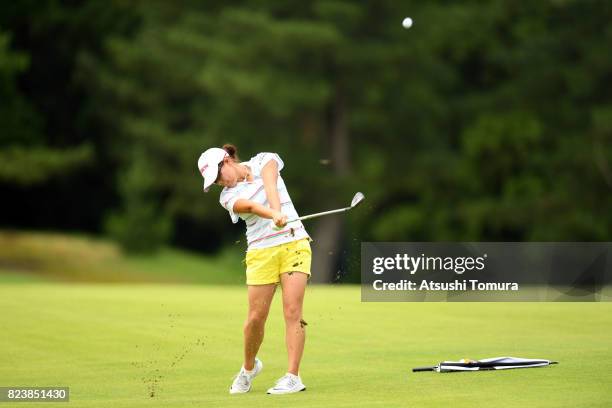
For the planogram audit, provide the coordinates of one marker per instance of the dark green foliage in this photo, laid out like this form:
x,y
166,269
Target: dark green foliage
x,y
139,226
484,121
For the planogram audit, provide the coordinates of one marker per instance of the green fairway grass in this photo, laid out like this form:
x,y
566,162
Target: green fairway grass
x,y
154,345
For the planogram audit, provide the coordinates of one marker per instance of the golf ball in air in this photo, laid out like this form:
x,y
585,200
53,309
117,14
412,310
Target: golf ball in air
x,y
407,23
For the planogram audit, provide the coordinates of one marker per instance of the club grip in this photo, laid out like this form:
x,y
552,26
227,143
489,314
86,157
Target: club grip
x,y
417,369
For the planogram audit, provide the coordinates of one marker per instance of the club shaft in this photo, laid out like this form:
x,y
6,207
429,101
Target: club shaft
x,y
306,217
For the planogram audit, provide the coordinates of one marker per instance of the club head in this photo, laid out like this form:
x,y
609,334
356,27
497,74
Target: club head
x,y
357,199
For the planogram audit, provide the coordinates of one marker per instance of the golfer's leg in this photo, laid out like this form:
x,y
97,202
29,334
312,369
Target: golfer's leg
x,y
294,285
260,297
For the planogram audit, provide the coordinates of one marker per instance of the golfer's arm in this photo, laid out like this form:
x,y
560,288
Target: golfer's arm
x,y
269,174
242,206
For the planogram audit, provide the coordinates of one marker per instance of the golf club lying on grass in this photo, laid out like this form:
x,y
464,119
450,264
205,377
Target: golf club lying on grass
x,y
495,363
357,199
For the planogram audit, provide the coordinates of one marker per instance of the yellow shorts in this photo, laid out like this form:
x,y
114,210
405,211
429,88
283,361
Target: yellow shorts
x,y
265,265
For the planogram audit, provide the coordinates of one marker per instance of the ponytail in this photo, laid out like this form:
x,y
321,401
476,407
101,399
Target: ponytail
x,y
231,151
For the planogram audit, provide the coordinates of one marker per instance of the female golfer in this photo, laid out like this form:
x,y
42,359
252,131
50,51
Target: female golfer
x,y
255,191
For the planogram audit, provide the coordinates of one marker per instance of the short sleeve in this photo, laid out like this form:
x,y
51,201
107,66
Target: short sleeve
x,y
259,161
227,201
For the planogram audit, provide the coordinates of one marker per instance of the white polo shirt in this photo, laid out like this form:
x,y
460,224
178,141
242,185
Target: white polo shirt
x,y
260,232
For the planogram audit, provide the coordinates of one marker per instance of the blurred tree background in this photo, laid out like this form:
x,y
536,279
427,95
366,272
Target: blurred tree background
x,y
486,121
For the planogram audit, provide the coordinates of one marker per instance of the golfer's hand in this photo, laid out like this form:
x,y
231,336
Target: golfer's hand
x,y
279,219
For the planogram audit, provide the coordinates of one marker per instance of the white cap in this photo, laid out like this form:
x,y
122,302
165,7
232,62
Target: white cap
x,y
208,164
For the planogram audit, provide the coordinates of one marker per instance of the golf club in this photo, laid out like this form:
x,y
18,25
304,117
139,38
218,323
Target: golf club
x,y
357,199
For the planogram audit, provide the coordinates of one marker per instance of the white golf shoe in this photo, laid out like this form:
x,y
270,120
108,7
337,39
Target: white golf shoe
x,y
244,379
288,384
